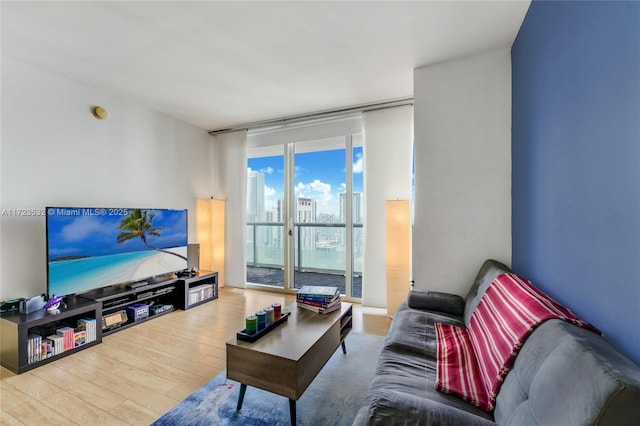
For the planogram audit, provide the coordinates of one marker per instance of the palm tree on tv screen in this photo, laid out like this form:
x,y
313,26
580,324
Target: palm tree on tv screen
x,y
137,224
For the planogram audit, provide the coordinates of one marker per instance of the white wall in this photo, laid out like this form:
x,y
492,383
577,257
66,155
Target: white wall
x,y
388,135
462,155
54,152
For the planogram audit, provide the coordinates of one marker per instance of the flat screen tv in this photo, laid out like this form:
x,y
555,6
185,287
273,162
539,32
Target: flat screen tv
x,y
89,248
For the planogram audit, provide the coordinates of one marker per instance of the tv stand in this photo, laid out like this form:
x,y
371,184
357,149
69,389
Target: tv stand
x,y
109,309
20,334
137,285
126,305
197,289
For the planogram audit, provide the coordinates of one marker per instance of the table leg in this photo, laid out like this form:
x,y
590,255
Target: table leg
x,y
344,347
292,411
243,389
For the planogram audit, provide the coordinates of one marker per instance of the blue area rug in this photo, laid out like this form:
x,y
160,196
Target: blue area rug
x,y
333,398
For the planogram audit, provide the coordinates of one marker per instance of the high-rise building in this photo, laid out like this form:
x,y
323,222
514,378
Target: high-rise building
x,y
356,210
279,216
356,207
306,213
305,210
255,196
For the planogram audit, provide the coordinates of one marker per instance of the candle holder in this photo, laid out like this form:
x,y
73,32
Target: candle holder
x,y
245,336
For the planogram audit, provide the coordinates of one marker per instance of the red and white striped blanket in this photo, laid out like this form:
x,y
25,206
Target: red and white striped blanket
x,y
473,362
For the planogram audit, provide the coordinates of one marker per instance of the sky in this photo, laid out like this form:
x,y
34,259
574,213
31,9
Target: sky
x,y
319,175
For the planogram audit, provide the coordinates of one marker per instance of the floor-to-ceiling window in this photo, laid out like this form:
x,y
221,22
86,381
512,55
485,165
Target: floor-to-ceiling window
x,y
265,215
357,213
305,214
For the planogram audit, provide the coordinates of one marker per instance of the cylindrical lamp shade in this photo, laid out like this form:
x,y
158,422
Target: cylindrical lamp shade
x,y
211,230
398,252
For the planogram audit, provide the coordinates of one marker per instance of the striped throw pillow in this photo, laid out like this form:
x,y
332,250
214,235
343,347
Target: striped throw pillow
x,y
457,372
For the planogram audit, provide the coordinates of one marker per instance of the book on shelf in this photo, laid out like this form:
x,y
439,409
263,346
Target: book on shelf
x,y
79,338
47,348
67,337
89,326
57,346
34,348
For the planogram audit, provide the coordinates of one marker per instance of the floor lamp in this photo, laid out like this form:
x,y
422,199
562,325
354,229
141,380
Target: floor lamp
x,y
211,219
398,249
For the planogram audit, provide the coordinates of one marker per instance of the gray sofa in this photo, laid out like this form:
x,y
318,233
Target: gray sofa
x,y
563,375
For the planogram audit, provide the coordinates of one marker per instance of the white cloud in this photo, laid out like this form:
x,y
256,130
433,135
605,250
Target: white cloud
x,y
82,227
317,190
318,186
267,170
268,191
300,187
358,164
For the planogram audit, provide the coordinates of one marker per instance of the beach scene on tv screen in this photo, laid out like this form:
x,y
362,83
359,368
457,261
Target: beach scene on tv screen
x,y
89,248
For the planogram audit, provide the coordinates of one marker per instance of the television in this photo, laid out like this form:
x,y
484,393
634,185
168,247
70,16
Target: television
x,y
89,248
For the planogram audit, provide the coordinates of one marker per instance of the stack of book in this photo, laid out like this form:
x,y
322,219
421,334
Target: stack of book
x,y
318,299
40,348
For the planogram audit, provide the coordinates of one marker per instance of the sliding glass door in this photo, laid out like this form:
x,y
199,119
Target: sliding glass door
x,y
319,191
304,217
265,247
357,215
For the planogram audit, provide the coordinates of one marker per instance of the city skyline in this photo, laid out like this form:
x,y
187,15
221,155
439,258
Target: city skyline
x,y
319,175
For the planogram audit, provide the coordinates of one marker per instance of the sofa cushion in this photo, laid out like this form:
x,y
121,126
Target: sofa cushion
x,y
407,367
436,301
415,375
391,407
413,330
457,368
568,375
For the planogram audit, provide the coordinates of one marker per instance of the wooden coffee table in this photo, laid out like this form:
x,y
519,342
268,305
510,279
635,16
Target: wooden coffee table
x,y
287,359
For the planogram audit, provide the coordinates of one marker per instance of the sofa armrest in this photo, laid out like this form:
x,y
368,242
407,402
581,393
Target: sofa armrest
x,y
435,301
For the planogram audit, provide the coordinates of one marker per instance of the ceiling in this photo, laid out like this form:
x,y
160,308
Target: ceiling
x,y
217,64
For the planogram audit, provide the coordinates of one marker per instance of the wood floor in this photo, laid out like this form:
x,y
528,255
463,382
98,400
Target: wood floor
x,y
138,374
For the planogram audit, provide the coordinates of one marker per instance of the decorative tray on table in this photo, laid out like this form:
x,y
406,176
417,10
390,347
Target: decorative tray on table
x,y
246,337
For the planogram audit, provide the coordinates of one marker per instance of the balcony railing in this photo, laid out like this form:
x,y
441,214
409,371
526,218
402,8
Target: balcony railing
x,y
319,247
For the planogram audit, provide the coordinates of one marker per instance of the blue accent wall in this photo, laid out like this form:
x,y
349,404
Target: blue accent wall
x,y
576,161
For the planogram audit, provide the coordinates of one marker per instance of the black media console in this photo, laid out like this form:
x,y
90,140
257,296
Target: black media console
x,y
197,290
123,306
126,305
29,341
25,339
